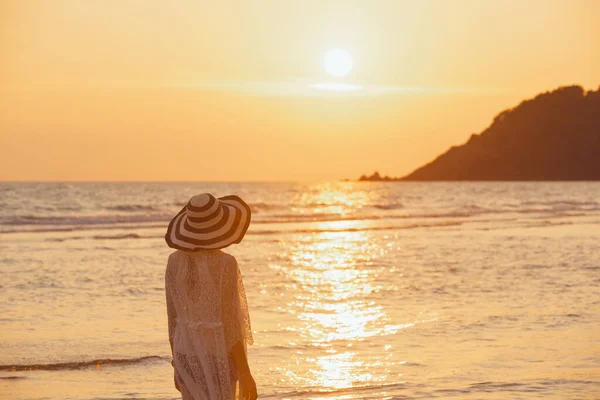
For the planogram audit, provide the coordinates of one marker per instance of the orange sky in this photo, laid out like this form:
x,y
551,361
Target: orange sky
x,y
191,90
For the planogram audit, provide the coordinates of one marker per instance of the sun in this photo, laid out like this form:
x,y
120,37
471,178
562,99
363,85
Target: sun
x,y
338,63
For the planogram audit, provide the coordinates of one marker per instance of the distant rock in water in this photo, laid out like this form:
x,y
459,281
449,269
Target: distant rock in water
x,y
554,136
377,177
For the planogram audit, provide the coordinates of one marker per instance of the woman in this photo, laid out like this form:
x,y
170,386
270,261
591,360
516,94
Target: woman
x,y
209,325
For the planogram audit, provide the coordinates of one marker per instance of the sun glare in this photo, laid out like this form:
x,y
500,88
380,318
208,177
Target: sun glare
x,y
338,62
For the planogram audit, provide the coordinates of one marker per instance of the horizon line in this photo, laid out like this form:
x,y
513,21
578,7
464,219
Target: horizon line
x,y
342,180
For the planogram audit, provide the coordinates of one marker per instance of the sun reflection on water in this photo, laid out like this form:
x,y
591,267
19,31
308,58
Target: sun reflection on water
x,y
337,298
335,287
338,371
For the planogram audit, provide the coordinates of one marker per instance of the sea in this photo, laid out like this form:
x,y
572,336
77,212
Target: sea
x,y
356,290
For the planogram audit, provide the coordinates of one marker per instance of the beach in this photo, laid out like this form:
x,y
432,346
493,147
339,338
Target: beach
x,y
356,290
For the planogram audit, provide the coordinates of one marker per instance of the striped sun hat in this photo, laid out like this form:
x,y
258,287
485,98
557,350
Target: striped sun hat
x,y
207,222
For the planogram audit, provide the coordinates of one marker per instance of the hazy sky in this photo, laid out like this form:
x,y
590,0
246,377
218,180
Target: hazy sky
x,y
193,90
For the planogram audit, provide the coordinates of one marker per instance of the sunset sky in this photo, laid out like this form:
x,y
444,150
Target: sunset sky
x,y
234,91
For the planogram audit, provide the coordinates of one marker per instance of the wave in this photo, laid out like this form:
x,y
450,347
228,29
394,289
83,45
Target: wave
x,y
101,362
87,219
259,207
124,236
71,223
392,206
265,232
131,207
159,219
399,390
105,237
52,229
303,394
262,232
568,203
359,229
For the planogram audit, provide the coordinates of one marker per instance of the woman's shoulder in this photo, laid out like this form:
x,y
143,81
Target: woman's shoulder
x,y
217,255
227,256
174,256
172,261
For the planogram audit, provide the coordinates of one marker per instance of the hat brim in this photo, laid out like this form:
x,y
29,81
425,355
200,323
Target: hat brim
x,y
228,229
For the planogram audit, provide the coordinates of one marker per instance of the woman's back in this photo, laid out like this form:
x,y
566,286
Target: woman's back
x,y
196,281
208,315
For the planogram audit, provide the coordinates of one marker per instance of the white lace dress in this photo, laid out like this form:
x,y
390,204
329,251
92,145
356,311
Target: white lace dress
x,y
207,314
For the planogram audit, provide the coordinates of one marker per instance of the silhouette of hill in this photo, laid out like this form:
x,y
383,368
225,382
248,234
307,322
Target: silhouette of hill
x,y
554,136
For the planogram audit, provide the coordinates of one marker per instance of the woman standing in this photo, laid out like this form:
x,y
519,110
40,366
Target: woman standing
x,y
209,324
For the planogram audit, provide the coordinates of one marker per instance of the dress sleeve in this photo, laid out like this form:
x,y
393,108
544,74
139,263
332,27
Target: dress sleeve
x,y
236,319
171,313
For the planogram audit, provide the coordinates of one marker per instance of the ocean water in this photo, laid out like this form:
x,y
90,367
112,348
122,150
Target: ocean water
x,y
356,290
